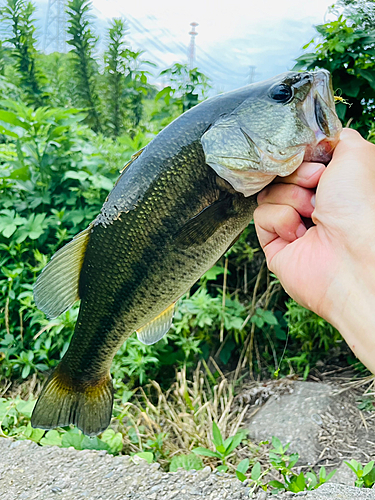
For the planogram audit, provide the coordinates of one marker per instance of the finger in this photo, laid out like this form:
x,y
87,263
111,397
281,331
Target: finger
x,y
277,222
351,144
296,197
307,175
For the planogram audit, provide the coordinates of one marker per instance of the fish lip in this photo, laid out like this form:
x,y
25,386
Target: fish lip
x,y
318,104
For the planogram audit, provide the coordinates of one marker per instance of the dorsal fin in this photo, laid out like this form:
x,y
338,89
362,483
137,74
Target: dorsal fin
x,y
56,288
133,157
154,330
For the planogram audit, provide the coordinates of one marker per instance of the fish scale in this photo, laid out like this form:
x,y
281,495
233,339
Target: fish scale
x,y
174,211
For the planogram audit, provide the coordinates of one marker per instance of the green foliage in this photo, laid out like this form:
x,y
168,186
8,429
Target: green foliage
x,y
224,448
125,82
114,67
57,69
187,462
365,475
346,47
186,87
313,333
17,16
52,184
256,475
85,68
283,463
146,455
55,173
15,422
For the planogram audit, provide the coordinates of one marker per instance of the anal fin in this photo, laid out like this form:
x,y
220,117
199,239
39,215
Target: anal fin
x,y
154,330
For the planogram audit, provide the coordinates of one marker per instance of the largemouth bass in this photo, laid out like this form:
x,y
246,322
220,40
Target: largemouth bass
x,y
174,211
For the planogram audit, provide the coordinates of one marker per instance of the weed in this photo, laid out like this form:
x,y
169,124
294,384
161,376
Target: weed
x,y
365,475
223,448
15,422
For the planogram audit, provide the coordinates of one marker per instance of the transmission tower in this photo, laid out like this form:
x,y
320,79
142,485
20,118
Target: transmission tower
x,y
251,77
54,39
191,51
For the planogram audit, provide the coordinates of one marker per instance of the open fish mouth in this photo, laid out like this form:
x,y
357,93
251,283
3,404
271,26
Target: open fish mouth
x,y
284,121
319,114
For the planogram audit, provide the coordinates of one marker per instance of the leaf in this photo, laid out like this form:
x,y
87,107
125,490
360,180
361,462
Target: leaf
x,y
269,318
25,371
217,438
205,452
293,459
12,119
322,473
297,483
276,443
243,465
146,455
33,434
94,443
213,273
331,474
51,438
368,468
222,468
276,484
81,175
236,440
72,438
352,466
25,408
256,471
241,476
228,348
187,462
312,481
113,439
101,182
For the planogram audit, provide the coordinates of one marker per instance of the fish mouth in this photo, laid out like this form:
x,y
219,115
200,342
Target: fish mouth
x,y
319,114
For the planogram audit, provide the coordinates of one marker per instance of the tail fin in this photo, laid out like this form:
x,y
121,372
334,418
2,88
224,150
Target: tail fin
x,y
63,401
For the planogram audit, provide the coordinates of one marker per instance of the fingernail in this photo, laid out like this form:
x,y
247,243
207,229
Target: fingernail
x,y
301,230
313,200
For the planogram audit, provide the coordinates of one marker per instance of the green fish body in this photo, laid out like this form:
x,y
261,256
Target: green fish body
x,y
168,219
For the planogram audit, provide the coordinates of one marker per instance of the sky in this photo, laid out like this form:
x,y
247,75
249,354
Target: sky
x,y
233,35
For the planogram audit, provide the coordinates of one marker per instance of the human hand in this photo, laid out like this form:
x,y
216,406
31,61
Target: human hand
x,y
329,268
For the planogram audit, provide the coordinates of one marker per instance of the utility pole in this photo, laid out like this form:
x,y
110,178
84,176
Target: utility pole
x,y
54,39
191,50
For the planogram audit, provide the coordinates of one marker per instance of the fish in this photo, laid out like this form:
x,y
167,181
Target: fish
x,y
177,207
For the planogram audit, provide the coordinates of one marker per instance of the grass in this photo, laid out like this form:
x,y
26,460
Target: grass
x,y
183,415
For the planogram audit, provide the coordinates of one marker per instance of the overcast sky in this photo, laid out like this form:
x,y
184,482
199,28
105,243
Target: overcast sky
x,y
232,34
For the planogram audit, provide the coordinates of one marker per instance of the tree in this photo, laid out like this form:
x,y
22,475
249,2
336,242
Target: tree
x,y
346,47
17,15
187,85
125,81
115,64
85,68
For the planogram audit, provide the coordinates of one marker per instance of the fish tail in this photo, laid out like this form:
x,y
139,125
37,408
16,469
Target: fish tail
x,y
64,401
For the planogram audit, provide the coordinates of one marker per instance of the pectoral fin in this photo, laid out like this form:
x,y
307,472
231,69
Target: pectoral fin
x,y
154,330
201,227
56,288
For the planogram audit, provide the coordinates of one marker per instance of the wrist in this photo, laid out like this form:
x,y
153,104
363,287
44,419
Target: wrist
x,y
350,308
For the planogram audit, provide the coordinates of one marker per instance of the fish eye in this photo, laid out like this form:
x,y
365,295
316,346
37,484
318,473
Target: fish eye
x,y
281,93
